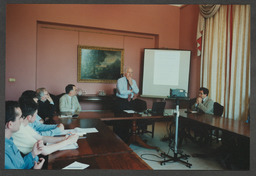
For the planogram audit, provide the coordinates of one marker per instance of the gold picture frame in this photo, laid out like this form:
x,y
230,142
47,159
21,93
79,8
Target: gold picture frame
x,y
99,64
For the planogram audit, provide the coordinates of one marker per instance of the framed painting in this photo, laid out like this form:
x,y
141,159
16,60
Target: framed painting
x,y
99,64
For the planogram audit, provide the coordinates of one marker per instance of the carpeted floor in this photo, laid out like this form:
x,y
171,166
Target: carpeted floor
x,y
153,157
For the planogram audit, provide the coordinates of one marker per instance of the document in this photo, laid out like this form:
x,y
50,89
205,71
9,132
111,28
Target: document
x,y
194,112
67,147
70,147
76,165
89,130
129,111
66,116
80,131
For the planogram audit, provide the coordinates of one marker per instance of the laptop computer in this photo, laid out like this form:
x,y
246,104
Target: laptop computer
x,y
158,108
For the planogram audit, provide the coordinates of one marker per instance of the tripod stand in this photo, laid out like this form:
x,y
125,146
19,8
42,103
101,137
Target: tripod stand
x,y
178,157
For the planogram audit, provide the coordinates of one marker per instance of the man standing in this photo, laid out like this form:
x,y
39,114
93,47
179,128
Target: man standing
x,y
203,102
127,93
69,101
45,105
13,158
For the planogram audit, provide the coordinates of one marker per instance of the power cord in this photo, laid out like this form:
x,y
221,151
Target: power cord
x,y
161,157
151,159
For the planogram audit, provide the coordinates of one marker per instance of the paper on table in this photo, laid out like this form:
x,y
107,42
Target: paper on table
x,y
68,147
87,130
65,116
69,131
129,111
76,165
79,131
193,111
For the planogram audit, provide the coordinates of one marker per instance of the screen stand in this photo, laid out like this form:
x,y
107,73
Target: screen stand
x,y
178,157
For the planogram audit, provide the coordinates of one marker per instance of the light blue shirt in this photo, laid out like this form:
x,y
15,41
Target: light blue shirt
x,y
13,158
44,129
122,90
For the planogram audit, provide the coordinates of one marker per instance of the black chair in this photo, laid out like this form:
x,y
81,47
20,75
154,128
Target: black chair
x,y
143,127
157,110
205,133
143,124
186,127
191,102
218,111
56,100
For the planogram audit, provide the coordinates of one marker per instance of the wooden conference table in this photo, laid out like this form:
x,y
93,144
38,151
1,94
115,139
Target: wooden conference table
x,y
235,127
105,150
101,150
234,150
134,138
110,118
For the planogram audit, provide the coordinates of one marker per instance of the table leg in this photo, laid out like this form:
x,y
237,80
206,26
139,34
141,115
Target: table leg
x,y
135,138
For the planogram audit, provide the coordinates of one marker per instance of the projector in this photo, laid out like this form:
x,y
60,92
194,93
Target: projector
x,y
178,93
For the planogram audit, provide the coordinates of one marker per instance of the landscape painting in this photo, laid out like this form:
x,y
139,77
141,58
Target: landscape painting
x,y
99,64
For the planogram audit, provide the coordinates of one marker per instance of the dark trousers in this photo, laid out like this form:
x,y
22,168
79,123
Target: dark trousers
x,y
122,127
136,105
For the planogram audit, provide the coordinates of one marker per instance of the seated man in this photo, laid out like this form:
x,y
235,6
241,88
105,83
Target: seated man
x,y
13,158
127,93
69,102
26,137
30,94
42,129
46,106
203,102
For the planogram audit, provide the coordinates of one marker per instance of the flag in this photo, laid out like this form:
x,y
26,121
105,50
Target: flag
x,y
199,35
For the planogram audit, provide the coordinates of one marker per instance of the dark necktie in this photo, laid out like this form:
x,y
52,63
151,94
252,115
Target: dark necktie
x,y
128,88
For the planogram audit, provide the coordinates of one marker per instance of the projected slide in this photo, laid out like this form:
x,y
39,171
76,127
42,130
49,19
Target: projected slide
x,y
164,70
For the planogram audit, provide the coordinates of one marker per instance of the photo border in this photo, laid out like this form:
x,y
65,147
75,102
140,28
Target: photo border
x,y
134,173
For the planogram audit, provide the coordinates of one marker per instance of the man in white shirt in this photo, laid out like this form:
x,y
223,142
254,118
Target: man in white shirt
x,y
26,137
69,102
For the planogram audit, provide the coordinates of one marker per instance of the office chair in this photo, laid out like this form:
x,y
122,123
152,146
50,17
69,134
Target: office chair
x,y
217,111
143,125
56,101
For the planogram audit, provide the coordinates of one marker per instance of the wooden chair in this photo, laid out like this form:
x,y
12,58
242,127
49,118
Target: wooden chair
x,y
143,127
